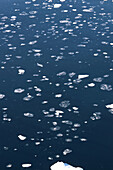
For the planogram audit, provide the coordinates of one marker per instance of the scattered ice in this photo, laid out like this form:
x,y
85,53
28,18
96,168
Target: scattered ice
x,y
67,151
57,5
28,115
9,166
21,137
109,106
83,76
19,90
106,87
21,71
91,84
28,97
63,166
64,103
63,73
26,165
2,96
75,108
39,65
56,128
58,95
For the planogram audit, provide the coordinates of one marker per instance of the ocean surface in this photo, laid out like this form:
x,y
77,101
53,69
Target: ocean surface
x,y
56,84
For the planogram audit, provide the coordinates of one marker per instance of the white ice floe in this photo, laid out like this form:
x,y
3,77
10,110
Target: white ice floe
x,y
91,84
26,165
109,106
39,65
62,0
2,96
83,76
57,5
63,166
21,137
19,90
58,95
28,115
75,108
21,71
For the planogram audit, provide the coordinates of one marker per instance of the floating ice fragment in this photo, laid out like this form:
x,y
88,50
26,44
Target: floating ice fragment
x,y
21,137
28,115
91,84
64,103
58,95
63,73
28,97
109,106
55,128
9,166
40,65
26,165
21,71
2,96
63,166
57,5
106,87
66,151
62,0
83,76
75,108
19,90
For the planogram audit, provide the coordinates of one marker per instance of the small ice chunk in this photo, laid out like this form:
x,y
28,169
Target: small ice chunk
x,y
109,106
57,5
26,165
21,71
19,90
75,108
63,166
63,73
39,65
106,87
58,95
21,137
64,103
91,84
66,151
28,115
2,96
83,76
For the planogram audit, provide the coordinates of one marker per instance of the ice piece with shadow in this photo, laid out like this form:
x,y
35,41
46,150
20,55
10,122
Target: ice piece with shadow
x,y
63,166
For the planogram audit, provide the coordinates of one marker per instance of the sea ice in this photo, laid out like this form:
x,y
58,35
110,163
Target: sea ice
x,y
57,5
26,165
2,96
109,106
83,76
63,166
21,137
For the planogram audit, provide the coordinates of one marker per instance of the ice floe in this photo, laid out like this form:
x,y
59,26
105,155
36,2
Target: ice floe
x,y
21,137
63,166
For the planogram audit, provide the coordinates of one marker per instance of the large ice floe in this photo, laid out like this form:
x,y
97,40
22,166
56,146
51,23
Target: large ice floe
x,y
63,166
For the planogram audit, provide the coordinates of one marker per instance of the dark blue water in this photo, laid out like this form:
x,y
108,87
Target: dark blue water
x,y
56,80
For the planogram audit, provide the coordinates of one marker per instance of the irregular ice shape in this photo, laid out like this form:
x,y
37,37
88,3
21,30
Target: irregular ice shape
x,y
109,106
83,76
57,5
21,137
2,96
26,165
63,166
21,71
19,90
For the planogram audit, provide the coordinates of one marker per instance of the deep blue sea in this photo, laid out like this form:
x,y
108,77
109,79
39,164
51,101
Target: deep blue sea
x,y
56,84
